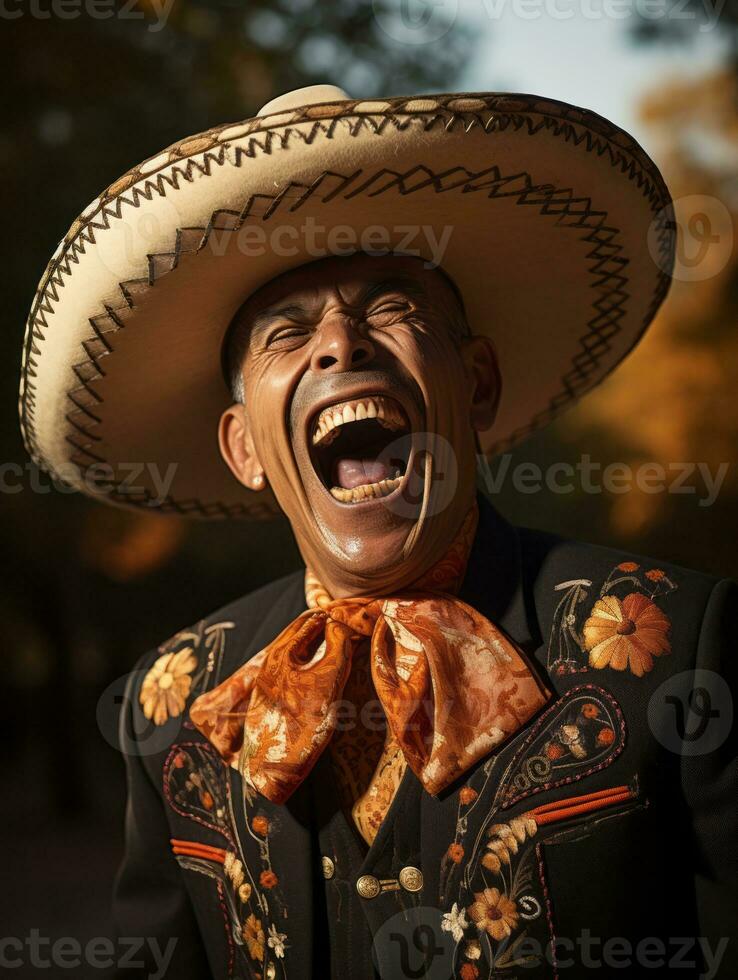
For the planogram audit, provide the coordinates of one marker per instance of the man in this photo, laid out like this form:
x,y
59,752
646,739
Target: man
x,y
448,747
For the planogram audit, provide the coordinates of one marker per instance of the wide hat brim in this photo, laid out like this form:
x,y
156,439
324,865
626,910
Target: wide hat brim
x,y
554,224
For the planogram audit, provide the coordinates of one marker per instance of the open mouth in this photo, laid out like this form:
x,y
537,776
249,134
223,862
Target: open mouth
x,y
358,450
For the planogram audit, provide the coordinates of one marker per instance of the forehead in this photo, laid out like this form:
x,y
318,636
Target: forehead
x,y
346,278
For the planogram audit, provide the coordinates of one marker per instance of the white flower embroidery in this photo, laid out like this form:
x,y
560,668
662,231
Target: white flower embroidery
x,y
276,941
455,922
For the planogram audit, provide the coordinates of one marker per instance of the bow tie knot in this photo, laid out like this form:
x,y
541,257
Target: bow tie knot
x,y
451,684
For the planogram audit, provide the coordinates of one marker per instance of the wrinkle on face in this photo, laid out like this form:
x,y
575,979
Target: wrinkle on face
x,y
324,331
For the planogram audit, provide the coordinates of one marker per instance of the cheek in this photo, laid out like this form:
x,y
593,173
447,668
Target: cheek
x,y
268,396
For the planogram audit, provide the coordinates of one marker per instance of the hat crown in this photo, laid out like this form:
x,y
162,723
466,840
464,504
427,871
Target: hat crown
x,y
309,95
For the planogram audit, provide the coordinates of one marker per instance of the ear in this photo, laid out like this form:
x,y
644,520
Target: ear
x,y
480,362
237,448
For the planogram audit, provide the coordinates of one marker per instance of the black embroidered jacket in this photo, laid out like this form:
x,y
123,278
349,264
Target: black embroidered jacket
x,y
601,841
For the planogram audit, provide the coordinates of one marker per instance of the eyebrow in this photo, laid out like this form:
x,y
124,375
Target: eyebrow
x,y
404,284
290,311
297,312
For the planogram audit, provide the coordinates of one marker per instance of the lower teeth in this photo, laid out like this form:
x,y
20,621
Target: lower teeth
x,y
366,491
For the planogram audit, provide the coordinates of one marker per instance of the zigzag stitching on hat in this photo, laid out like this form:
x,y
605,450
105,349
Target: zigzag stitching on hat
x,y
61,266
563,198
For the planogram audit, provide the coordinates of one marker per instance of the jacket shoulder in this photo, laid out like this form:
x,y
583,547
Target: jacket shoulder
x,y
198,657
554,553
550,562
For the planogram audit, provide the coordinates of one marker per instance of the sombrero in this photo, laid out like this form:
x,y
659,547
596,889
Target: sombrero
x,y
554,224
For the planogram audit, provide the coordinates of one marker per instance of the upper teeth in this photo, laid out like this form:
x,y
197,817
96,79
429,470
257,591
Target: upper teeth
x,y
387,412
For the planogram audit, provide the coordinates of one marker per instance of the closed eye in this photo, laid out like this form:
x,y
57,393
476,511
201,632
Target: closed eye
x,y
286,335
388,312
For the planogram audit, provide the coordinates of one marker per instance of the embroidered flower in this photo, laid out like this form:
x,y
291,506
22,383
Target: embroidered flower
x,y
655,574
494,913
590,710
244,891
455,922
234,869
628,566
554,751
260,825
626,634
504,840
467,795
456,853
167,685
472,950
606,736
469,972
206,799
268,879
276,941
492,862
253,935
571,737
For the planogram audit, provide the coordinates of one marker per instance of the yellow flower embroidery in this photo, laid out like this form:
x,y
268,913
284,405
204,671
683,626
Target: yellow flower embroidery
x,y
166,686
253,935
494,913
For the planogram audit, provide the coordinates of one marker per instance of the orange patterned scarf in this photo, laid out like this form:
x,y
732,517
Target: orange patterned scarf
x,y
453,686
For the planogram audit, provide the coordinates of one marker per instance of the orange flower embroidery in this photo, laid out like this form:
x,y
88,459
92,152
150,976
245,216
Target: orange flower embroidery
x,y
590,710
206,799
626,634
494,912
467,795
554,751
456,853
655,574
260,825
268,879
606,736
628,566
253,935
469,972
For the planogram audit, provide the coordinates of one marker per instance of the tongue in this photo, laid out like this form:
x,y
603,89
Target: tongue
x,y
350,473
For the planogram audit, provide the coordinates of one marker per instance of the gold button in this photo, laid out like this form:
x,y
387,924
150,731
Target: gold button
x,y
411,879
368,886
329,868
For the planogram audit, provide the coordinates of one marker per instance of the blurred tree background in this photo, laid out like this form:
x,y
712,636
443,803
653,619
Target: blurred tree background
x,y
87,588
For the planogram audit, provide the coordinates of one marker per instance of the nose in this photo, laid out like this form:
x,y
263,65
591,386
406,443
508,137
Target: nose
x,y
340,347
